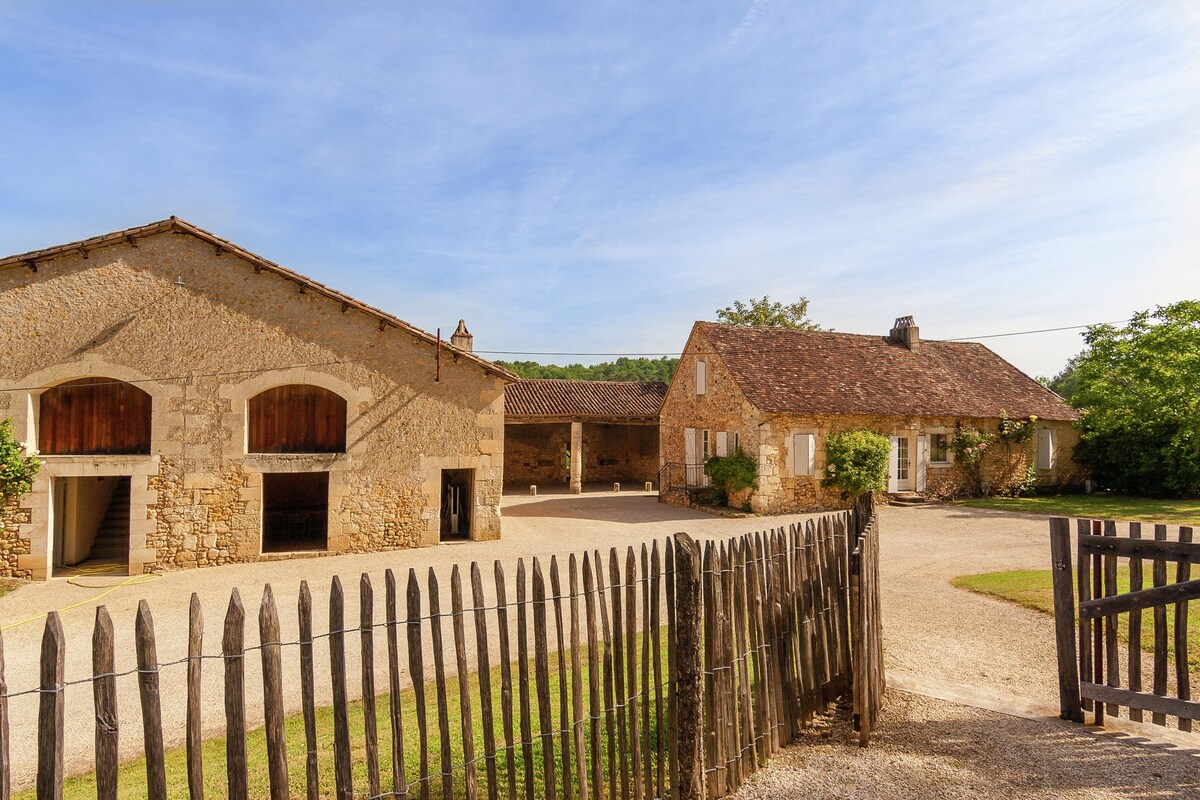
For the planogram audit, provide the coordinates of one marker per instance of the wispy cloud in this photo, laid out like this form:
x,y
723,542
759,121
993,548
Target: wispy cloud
x,y
600,176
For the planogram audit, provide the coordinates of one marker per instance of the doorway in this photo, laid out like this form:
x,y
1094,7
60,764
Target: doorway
x,y
295,511
91,523
903,465
458,498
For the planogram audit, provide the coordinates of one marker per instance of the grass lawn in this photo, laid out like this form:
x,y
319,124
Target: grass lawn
x,y
132,774
8,585
1097,506
1033,589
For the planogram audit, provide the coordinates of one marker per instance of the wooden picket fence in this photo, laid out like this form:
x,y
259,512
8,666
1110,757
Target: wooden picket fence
x,y
676,675
1090,669
866,623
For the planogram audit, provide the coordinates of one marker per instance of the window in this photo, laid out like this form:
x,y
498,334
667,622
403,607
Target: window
x,y
94,416
297,418
802,454
703,446
701,377
939,448
737,441
722,443
1045,449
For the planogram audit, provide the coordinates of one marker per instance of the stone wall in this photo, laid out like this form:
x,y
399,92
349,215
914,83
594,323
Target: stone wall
x,y
534,453
12,545
201,351
620,453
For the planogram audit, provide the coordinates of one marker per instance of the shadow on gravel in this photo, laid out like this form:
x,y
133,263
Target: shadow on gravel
x,y
631,509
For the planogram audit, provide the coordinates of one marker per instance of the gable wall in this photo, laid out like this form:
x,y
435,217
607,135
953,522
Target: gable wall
x,y
207,348
721,408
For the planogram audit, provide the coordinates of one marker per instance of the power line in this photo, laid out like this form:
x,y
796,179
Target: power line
x,y
1026,333
284,368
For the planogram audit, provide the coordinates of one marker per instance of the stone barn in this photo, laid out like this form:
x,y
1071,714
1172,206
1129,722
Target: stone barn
x,y
194,403
564,433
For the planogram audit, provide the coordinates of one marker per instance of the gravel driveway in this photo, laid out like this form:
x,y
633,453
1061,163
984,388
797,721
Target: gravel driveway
x,y
944,641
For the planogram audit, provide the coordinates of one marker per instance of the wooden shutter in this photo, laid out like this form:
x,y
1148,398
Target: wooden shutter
x,y
297,418
802,453
701,377
922,461
893,459
1045,449
722,443
94,416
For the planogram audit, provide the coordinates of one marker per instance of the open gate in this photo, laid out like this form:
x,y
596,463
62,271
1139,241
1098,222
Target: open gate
x,y
1089,668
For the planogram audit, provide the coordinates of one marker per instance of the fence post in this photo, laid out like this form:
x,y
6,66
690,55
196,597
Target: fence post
x,y
1070,706
51,714
690,665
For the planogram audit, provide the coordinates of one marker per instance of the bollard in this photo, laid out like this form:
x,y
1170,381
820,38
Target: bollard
x,y
533,490
616,487
649,486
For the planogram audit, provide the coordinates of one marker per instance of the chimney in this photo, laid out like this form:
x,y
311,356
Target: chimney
x,y
461,338
906,332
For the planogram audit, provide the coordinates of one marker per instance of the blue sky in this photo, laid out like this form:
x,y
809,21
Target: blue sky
x,y
592,177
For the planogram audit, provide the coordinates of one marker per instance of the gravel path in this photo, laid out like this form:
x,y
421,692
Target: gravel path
x,y
926,748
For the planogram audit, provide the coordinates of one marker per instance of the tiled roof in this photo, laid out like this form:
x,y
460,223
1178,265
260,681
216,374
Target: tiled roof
x,y
131,235
781,370
579,399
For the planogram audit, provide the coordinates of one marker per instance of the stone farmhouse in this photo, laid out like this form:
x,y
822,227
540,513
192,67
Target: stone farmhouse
x,y
778,393
197,404
565,432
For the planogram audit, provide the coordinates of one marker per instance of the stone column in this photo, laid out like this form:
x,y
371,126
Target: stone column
x,y
576,458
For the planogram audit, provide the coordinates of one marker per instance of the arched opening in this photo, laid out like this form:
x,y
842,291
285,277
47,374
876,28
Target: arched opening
x,y
94,416
297,418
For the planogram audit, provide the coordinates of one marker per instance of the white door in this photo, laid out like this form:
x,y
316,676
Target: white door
x,y
904,481
689,457
922,461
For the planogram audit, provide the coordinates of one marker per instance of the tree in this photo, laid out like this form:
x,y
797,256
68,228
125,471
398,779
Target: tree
x,y
623,369
765,314
17,470
1137,389
1063,384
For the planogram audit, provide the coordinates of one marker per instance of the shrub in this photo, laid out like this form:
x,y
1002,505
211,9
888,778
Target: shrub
x,y
856,462
729,474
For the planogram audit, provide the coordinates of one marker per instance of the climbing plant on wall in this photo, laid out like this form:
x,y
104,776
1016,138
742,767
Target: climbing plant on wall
x,y
17,469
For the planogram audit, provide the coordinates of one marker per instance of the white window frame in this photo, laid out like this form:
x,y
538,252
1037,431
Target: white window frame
x,y
701,376
949,434
807,467
1046,463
